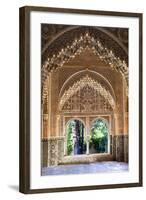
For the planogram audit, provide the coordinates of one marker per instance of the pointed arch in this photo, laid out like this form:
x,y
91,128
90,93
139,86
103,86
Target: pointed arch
x,y
86,81
86,71
77,47
75,27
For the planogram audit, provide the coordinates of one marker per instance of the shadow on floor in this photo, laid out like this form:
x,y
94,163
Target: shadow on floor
x,y
14,187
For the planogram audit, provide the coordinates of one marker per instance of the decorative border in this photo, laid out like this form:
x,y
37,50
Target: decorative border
x,y
24,97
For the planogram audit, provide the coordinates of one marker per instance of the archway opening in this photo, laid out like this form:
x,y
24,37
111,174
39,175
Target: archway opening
x,y
99,137
75,138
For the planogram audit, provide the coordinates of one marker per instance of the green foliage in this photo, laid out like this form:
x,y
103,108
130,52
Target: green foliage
x,y
99,136
69,139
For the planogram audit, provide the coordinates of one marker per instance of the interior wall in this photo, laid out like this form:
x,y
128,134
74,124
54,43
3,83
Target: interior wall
x,y
119,138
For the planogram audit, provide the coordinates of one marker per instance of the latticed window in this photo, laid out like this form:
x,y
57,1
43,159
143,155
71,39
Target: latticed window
x,y
87,99
87,95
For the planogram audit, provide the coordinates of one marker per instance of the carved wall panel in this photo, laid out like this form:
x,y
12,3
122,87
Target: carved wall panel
x,y
87,96
78,46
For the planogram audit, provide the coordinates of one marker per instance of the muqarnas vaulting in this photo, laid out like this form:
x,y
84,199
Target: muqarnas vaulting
x,y
84,77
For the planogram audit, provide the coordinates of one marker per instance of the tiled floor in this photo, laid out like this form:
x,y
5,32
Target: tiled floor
x,y
108,166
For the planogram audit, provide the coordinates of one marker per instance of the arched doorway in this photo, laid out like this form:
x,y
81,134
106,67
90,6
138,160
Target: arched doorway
x,y
99,137
75,138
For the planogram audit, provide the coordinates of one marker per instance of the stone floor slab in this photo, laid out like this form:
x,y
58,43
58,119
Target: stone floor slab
x,y
98,167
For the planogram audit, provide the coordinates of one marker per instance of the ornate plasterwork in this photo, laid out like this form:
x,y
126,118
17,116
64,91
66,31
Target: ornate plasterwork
x,y
86,85
77,47
49,31
60,38
45,98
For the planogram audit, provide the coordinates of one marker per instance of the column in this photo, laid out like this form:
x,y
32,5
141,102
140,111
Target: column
x,y
57,125
87,134
49,105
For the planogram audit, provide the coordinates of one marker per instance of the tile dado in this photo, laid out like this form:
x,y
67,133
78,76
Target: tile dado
x,y
53,150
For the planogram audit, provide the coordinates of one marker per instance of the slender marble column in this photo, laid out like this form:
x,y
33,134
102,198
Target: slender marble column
x,y
87,134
